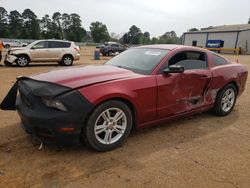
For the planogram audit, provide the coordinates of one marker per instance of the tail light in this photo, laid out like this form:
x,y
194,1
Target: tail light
x,y
77,49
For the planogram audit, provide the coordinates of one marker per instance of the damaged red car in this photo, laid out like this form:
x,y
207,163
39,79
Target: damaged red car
x,y
141,87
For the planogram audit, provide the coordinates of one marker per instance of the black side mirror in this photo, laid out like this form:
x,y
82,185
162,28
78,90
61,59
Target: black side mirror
x,y
174,69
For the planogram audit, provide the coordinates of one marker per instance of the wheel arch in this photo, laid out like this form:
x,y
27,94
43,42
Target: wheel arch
x,y
67,55
23,54
233,82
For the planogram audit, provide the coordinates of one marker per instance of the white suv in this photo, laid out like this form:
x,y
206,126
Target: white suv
x,y
63,52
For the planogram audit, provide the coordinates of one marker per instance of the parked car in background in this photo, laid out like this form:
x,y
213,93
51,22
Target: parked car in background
x,y
63,52
140,87
16,43
111,48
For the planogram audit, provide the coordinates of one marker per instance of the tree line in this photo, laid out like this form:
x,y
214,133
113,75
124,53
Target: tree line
x,y
27,25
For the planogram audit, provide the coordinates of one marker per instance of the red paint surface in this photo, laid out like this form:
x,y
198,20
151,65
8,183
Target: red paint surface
x,y
156,97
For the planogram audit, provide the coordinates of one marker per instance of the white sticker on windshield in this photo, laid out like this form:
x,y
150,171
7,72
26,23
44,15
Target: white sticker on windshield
x,y
152,53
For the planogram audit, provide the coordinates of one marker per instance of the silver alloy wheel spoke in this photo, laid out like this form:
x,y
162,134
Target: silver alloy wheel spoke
x,y
107,129
228,100
106,116
118,116
100,128
108,137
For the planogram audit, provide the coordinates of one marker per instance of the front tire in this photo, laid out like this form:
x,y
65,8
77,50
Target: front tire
x,y
22,61
225,100
108,126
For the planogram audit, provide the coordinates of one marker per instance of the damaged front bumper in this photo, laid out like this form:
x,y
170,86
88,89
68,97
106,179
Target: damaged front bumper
x,y
10,59
48,124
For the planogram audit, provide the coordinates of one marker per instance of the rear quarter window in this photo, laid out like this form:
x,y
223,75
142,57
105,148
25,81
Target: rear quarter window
x,y
57,44
220,61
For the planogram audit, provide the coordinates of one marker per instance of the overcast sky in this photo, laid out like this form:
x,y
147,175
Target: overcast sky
x,y
155,16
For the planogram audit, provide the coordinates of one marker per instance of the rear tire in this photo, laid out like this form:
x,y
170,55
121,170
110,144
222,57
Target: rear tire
x,y
22,61
67,60
225,100
108,126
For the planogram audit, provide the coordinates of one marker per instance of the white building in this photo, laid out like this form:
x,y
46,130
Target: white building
x,y
227,36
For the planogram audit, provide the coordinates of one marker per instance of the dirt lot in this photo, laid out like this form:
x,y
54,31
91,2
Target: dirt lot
x,y
199,151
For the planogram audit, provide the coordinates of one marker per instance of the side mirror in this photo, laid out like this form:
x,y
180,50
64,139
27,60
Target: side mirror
x,y
174,69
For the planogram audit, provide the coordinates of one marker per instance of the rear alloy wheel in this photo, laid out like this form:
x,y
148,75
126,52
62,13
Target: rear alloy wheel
x,y
108,126
225,100
22,61
67,60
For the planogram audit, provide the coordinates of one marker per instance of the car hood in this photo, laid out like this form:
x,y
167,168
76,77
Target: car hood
x,y
16,49
84,76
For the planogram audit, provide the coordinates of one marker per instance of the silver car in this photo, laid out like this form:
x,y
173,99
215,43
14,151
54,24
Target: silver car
x,y
63,52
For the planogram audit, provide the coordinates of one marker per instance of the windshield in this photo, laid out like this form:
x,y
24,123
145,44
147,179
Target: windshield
x,y
139,60
32,44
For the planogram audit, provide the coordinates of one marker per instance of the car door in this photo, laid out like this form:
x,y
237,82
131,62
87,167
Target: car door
x,y
40,51
182,92
56,50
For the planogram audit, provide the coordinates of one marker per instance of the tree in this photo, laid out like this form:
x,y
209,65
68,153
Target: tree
x,y
99,32
4,32
15,24
154,40
47,27
248,20
73,29
134,35
145,38
125,39
169,38
31,27
57,28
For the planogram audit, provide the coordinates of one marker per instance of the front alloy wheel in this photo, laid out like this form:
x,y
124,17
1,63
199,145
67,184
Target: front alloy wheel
x,y
22,61
108,126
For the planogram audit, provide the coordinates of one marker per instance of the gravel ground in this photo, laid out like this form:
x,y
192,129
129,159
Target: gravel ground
x,y
199,151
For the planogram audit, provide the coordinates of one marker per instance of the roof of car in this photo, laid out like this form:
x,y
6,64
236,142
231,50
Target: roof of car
x,y
54,40
168,46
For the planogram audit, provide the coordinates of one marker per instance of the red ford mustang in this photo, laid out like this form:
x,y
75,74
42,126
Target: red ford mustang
x,y
141,87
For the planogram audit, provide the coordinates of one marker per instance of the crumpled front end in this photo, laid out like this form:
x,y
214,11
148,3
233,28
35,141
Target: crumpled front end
x,y
48,111
10,59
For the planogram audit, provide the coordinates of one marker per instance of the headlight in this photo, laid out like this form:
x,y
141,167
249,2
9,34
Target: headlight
x,y
54,104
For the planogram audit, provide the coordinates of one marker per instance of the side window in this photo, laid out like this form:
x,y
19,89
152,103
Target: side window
x,y
219,60
115,45
190,60
54,44
65,44
41,45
